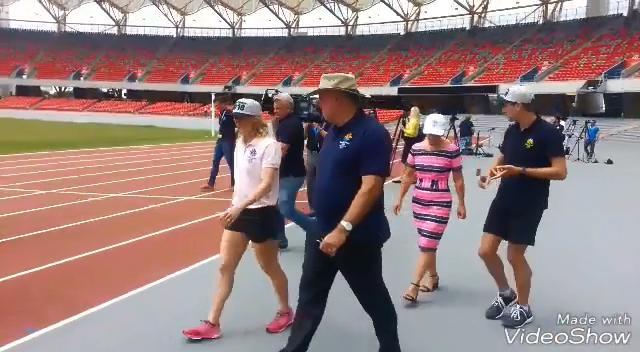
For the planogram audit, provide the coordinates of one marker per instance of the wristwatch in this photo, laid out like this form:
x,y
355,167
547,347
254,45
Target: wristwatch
x,y
346,225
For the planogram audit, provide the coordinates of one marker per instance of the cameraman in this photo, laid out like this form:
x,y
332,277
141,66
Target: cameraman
x,y
315,133
466,133
290,134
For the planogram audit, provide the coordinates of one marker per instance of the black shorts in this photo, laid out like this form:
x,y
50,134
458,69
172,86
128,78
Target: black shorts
x,y
258,224
517,226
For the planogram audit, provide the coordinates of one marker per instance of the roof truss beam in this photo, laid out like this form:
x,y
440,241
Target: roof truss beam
x,y
57,12
346,14
231,17
408,10
115,13
287,16
173,14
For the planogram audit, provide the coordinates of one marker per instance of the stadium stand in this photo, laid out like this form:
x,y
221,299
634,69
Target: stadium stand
x,y
618,43
118,106
64,104
170,108
404,56
124,55
473,50
550,44
349,55
294,58
14,102
17,49
186,57
238,58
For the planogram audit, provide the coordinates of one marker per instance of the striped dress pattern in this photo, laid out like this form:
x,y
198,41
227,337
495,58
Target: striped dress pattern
x,y
432,198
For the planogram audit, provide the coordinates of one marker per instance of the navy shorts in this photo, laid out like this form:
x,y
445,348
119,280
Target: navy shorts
x,y
258,224
514,225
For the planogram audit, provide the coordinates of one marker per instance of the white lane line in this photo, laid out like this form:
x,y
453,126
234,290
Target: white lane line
x,y
181,151
105,183
103,173
115,300
103,249
131,149
126,212
103,165
102,196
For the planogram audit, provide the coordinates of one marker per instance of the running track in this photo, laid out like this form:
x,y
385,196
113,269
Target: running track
x,y
80,228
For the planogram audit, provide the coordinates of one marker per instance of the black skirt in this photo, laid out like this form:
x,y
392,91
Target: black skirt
x,y
259,224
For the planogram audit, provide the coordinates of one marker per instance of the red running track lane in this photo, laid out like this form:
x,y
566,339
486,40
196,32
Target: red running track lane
x,y
43,298
40,200
45,164
8,160
42,249
68,178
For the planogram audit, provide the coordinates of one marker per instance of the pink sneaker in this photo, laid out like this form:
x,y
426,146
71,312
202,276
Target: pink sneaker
x,y
205,331
281,322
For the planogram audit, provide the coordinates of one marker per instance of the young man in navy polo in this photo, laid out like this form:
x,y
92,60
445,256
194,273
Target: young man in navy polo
x,y
225,145
531,155
349,204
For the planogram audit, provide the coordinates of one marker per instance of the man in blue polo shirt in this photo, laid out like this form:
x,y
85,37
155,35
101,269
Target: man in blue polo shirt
x,y
531,156
225,144
349,204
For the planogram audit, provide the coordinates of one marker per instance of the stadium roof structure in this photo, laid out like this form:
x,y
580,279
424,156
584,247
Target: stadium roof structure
x,y
289,12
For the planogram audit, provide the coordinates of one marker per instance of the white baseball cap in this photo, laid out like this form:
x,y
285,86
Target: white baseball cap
x,y
435,124
284,97
247,108
518,94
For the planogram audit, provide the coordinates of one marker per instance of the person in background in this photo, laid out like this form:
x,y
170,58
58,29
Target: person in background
x,y
428,166
466,133
315,134
591,137
411,134
531,156
252,217
225,145
290,134
349,199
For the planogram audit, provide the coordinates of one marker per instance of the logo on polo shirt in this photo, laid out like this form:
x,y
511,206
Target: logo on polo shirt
x,y
252,155
529,143
345,141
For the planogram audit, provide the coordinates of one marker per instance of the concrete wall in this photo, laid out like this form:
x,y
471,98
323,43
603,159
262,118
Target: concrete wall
x,y
631,105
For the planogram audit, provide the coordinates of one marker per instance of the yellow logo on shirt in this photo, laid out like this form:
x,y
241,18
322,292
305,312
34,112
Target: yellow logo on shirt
x,y
529,143
345,141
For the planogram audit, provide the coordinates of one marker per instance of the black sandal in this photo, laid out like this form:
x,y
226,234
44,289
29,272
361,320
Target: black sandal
x,y
434,284
409,298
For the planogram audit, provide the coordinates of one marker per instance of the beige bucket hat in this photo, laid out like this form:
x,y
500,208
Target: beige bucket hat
x,y
339,81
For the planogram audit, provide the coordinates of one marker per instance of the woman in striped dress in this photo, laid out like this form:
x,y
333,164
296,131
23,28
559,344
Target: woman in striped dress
x,y
429,165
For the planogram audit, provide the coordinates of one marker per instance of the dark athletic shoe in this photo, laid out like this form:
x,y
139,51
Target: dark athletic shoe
x,y
498,306
517,317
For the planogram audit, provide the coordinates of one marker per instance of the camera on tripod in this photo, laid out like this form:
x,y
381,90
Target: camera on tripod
x,y
303,106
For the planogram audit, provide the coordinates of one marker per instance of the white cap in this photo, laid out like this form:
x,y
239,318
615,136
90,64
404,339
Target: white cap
x,y
246,108
284,97
435,124
518,94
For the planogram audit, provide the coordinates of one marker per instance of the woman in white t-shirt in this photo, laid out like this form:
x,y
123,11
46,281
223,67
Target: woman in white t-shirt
x,y
252,217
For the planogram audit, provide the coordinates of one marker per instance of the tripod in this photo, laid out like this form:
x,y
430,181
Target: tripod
x,y
452,127
396,139
581,136
479,151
